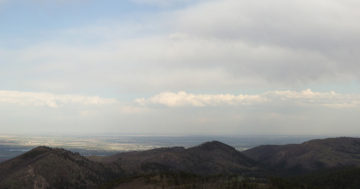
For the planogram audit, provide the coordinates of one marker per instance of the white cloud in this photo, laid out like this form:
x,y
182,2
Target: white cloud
x,y
185,99
308,97
282,98
50,100
273,112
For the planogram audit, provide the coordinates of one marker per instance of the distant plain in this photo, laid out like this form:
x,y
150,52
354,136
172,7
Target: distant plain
x,y
14,145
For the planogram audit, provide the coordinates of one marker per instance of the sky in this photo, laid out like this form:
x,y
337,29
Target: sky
x,y
180,67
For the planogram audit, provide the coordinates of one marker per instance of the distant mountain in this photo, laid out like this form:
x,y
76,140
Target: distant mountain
x,y
308,156
206,159
45,167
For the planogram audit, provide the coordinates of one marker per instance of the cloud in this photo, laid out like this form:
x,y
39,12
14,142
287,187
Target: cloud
x,y
308,97
184,99
222,43
51,100
325,29
272,112
207,50
262,22
215,45
189,62
283,98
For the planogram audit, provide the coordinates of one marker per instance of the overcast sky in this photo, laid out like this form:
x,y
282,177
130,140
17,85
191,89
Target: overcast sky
x,y
219,67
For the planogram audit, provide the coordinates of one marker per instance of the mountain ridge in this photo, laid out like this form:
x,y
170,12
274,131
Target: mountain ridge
x,y
308,156
45,167
223,159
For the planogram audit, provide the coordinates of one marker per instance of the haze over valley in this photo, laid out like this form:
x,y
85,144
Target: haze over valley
x,y
12,146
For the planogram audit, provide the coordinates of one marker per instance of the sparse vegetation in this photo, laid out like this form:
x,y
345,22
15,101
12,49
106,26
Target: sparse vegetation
x,y
211,165
188,181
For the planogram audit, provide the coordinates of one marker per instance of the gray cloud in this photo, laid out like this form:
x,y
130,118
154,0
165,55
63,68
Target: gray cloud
x,y
284,43
318,39
274,43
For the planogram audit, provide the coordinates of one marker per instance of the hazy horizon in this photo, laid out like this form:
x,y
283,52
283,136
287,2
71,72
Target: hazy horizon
x,y
104,145
180,67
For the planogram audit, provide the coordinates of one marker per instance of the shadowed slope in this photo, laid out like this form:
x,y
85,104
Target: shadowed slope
x,y
309,156
206,159
45,167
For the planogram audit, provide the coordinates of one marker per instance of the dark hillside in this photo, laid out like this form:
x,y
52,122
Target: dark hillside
x,y
45,167
207,159
308,156
327,163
